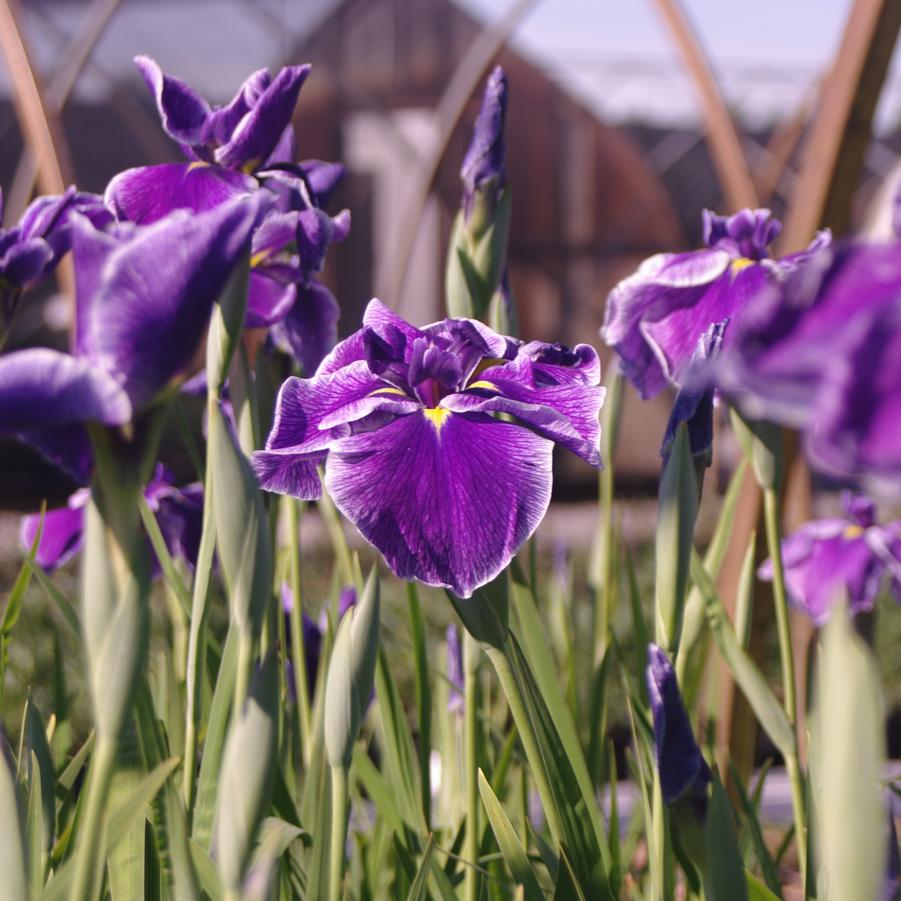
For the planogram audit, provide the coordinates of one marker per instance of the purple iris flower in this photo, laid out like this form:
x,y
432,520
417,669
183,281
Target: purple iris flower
x,y
225,145
144,296
484,166
655,317
288,250
683,771
402,419
179,512
850,555
31,249
822,352
455,702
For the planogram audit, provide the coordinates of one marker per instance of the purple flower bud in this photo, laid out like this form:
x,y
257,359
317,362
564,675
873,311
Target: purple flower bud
x,y
484,163
683,770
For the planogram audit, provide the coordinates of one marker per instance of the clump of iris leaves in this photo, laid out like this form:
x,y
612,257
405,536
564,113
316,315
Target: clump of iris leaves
x,y
213,703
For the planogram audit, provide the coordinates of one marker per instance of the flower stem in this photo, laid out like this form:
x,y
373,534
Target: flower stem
x,y
792,764
242,673
339,540
500,659
91,828
470,736
298,650
338,833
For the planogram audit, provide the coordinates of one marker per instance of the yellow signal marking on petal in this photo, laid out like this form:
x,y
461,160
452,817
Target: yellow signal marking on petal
x,y
483,383
258,257
437,416
852,531
197,164
739,264
390,390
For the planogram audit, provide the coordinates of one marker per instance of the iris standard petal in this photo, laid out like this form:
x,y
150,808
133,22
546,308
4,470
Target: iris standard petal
x,y
157,291
446,498
259,131
182,111
148,193
42,388
61,535
679,760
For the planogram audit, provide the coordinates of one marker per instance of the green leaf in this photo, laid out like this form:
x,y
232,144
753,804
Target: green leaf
x,y
764,858
20,586
217,726
207,871
848,759
170,571
549,686
508,841
423,697
747,676
724,879
695,617
13,859
123,818
757,891
36,749
419,888
34,826
677,510
70,614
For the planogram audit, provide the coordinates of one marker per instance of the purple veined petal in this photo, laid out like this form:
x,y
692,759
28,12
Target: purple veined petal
x,y
277,230
315,232
42,388
391,328
446,498
148,193
747,234
61,536
222,122
268,300
259,131
565,414
306,410
674,337
67,447
323,178
285,149
662,284
157,290
856,429
539,364
680,763
182,111
179,513
286,471
25,262
824,559
310,328
351,350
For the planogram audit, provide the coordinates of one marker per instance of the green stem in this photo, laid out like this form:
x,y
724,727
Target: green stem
x,y
298,650
470,739
500,659
91,827
195,633
338,833
786,656
339,540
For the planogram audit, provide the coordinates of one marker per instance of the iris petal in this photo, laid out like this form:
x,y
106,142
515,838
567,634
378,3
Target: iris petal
x,y
449,506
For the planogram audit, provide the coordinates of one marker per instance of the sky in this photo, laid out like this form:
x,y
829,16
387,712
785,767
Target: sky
x,y
614,55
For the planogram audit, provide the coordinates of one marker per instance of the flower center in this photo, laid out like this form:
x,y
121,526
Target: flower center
x,y
741,263
851,532
437,416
